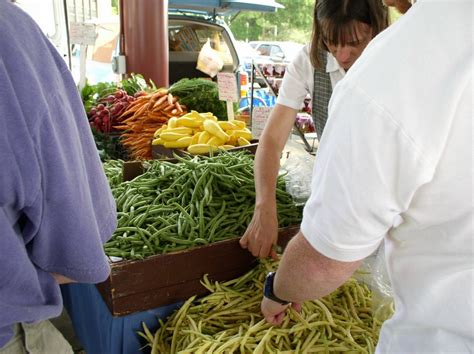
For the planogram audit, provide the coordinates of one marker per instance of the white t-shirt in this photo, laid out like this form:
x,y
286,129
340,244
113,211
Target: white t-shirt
x,y
398,144
298,81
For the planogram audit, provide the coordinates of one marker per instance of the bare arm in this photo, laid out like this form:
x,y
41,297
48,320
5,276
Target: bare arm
x,y
61,279
261,234
271,144
304,274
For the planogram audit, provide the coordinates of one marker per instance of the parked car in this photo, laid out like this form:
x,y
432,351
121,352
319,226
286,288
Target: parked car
x,y
246,54
187,33
192,22
276,52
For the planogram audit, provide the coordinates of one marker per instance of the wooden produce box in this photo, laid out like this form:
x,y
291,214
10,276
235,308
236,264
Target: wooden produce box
x,y
160,152
169,278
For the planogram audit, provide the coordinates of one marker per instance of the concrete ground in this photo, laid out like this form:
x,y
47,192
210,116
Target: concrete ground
x,y
64,325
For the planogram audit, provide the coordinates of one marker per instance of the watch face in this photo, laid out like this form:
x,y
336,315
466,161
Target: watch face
x,y
268,287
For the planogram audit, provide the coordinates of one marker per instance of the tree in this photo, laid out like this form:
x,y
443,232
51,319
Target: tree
x,y
293,23
115,7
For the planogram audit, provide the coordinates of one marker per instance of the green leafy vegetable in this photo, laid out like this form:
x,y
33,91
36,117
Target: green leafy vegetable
x,y
91,94
200,95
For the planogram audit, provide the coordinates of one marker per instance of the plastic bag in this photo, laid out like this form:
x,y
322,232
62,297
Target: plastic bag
x,y
209,60
297,171
373,272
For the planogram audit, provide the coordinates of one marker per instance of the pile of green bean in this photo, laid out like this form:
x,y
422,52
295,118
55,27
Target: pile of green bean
x,y
196,201
114,172
229,321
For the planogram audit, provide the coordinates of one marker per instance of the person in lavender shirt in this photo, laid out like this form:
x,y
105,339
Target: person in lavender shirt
x,y
56,208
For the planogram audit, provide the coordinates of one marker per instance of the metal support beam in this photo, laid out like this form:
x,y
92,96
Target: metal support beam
x,y
144,25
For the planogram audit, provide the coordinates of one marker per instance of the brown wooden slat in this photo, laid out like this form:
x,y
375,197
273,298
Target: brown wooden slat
x,y
132,169
169,269
164,279
168,295
160,152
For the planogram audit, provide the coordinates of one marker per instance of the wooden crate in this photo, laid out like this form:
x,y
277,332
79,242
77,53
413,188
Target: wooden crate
x,y
169,278
160,152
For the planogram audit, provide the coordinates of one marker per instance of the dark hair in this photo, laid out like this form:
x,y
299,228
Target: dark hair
x,y
338,15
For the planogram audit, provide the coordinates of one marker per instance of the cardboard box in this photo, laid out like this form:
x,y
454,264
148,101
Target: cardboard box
x,y
169,278
188,40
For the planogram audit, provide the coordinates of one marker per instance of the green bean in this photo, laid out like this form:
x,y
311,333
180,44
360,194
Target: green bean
x,y
205,198
198,185
176,240
229,320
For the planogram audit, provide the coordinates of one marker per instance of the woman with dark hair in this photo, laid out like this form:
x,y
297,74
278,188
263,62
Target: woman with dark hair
x,y
341,31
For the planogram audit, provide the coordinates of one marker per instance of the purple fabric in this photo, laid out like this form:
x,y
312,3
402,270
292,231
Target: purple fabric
x,y
56,208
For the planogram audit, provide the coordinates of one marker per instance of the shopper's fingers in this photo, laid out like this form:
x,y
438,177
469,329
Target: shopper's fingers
x,y
274,254
297,306
252,247
244,241
266,249
271,319
277,319
255,250
273,312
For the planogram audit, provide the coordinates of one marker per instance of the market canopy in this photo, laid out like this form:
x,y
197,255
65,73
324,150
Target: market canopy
x,y
225,7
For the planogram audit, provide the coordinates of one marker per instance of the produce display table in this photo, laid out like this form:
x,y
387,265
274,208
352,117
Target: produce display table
x,y
101,333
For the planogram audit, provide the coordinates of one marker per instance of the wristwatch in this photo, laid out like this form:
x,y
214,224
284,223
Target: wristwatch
x,y
268,290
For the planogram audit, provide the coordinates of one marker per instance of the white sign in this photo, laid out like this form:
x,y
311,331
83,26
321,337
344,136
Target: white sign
x,y
227,83
82,33
259,119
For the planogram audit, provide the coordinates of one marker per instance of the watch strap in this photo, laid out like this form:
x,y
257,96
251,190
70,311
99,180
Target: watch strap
x,y
268,290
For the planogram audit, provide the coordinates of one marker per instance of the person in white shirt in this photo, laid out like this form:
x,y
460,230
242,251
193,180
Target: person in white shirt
x,y
341,31
395,165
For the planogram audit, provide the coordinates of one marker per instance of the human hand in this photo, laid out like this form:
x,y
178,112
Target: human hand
x,y
274,312
261,234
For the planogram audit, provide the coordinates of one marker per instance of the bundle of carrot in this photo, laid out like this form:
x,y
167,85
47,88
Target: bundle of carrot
x,y
143,117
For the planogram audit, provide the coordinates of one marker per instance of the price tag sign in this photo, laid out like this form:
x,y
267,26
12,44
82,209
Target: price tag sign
x,y
82,33
259,119
227,83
